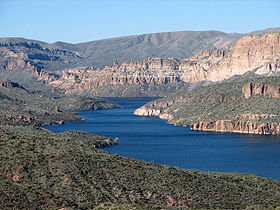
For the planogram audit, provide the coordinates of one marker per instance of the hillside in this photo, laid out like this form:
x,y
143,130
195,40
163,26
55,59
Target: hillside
x,y
49,171
244,104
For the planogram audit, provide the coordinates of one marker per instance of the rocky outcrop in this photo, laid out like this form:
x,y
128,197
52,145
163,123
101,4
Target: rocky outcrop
x,y
238,127
219,110
13,63
143,111
251,89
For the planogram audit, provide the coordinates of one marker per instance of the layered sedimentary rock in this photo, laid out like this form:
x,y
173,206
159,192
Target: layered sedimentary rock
x,y
252,52
12,63
266,90
238,127
148,71
157,108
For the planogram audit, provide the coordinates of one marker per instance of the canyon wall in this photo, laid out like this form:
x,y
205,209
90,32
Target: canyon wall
x,y
260,52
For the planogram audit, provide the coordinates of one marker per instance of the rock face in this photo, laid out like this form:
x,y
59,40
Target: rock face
x,y
252,89
148,71
260,52
251,52
222,107
238,127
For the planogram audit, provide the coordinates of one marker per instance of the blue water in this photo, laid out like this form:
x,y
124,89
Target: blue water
x,y
152,139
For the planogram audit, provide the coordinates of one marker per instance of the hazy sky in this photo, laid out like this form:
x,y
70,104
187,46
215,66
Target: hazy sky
x,y
86,20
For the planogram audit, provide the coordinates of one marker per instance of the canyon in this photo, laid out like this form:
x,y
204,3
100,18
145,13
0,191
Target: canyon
x,y
64,68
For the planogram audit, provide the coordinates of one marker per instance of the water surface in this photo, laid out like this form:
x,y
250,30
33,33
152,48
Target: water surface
x,y
152,139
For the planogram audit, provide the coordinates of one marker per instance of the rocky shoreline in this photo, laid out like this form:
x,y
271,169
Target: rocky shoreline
x,y
217,126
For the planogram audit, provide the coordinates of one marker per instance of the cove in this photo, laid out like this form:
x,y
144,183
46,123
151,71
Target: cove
x,y
152,139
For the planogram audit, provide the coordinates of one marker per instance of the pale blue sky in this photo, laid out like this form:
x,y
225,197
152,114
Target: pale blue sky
x,y
85,20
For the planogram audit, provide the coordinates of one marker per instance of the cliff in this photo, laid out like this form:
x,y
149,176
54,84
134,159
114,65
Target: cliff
x,y
64,68
252,89
151,71
261,52
238,127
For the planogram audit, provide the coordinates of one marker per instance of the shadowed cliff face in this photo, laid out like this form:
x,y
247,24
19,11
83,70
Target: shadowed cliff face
x,y
260,52
252,89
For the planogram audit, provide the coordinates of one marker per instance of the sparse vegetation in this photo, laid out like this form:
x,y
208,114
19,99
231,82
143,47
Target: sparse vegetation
x,y
50,171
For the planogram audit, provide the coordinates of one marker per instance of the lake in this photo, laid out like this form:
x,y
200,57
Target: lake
x,y
152,139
